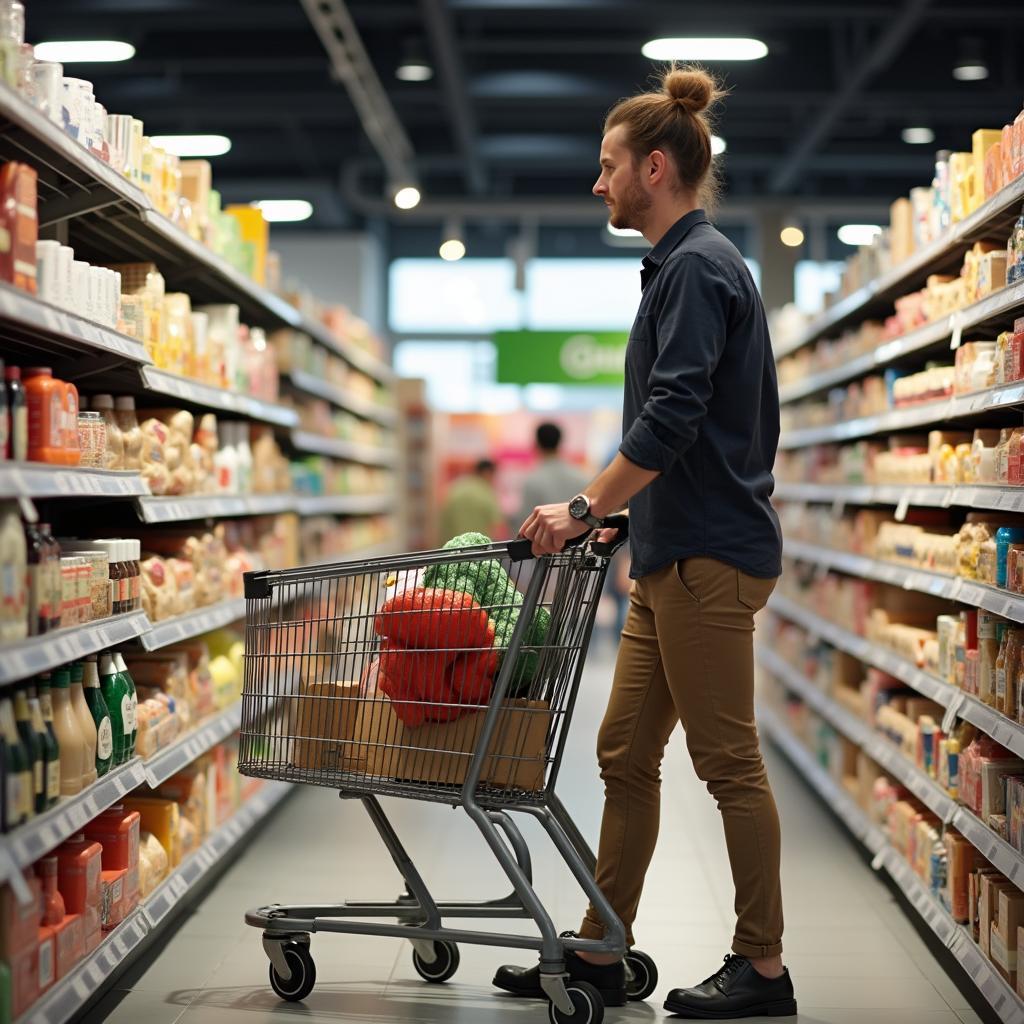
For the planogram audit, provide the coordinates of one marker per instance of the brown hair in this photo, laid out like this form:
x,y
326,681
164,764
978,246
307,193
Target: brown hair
x,y
674,119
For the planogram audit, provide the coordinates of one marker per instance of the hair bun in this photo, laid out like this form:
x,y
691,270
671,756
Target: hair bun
x,y
692,89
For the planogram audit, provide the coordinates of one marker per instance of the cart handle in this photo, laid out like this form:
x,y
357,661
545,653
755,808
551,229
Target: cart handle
x,y
521,548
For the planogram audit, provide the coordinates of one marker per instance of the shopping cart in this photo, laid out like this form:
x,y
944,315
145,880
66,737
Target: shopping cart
x,y
431,676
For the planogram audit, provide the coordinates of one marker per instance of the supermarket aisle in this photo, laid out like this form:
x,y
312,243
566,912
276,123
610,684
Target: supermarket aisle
x,y
851,949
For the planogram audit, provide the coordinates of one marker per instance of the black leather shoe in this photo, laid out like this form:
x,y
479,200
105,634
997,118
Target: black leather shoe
x,y
737,990
609,980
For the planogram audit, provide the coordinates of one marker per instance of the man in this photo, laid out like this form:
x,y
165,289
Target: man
x,y
471,505
554,477
700,430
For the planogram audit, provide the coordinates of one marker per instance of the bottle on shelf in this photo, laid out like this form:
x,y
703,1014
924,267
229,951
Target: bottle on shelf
x,y
133,705
115,695
86,723
69,735
45,397
131,432
42,722
39,594
13,575
17,792
100,716
53,902
56,583
17,415
33,746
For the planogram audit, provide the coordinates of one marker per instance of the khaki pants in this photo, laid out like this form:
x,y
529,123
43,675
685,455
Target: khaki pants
x,y
687,655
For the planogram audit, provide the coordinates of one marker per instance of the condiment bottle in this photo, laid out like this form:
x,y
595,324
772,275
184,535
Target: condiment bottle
x,y
69,432
17,795
69,735
118,701
34,746
135,564
53,902
17,415
133,697
56,583
45,399
42,722
100,716
38,581
85,721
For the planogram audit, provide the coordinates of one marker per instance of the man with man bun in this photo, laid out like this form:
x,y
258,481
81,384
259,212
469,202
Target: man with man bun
x,y
700,431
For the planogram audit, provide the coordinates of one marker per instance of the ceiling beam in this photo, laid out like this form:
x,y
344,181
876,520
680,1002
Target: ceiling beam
x,y
448,65
880,53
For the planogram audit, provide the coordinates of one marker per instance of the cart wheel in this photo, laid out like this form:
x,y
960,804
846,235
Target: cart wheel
x,y
300,984
444,965
588,1007
644,978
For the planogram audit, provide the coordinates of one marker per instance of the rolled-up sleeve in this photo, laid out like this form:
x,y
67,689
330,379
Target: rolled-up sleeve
x,y
691,317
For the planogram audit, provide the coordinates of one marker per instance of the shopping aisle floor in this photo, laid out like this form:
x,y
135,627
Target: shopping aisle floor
x,y
851,949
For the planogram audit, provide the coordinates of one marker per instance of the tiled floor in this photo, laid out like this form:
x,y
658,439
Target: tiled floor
x,y
854,955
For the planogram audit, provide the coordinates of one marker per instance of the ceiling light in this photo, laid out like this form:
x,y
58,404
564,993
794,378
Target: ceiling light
x,y
859,234
792,236
717,145
919,136
279,211
704,49
414,71
407,197
85,51
452,249
193,145
970,71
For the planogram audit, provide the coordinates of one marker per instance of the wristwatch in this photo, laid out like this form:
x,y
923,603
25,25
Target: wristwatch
x,y
579,508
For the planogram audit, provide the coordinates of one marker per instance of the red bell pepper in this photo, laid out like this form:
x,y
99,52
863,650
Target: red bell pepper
x,y
427,617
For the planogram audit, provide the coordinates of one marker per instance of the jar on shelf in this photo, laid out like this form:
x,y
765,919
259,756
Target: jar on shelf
x,y
92,439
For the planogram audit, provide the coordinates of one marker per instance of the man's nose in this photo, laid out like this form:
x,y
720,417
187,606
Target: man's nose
x,y
599,187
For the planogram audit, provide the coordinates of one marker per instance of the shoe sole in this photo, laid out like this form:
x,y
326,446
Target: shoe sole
x,y
780,1008
609,998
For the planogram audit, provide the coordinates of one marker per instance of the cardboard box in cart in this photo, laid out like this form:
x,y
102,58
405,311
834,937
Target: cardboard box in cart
x,y
336,730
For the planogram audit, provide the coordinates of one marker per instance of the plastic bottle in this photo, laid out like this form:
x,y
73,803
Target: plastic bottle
x,y
45,400
53,902
13,575
133,701
38,581
85,721
17,415
34,747
18,790
56,583
69,735
100,716
115,695
51,749
69,426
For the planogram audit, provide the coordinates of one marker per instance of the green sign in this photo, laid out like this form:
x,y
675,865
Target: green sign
x,y
560,357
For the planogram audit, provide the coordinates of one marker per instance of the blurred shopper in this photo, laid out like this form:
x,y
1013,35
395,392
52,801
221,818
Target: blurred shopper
x,y
553,478
471,505
700,431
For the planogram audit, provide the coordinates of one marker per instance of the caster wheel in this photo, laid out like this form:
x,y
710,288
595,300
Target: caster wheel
x,y
445,964
588,1007
641,975
300,984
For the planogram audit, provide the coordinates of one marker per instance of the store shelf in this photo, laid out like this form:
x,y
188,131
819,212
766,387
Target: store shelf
x,y
993,218
335,447
37,654
953,588
996,991
313,385
345,504
72,992
1007,499
205,736
212,506
192,624
221,399
38,480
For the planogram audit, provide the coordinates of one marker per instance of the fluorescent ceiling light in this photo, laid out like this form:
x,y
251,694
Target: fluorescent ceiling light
x,y
971,71
717,145
279,211
859,234
193,145
919,136
85,51
414,71
704,49
407,197
791,236
452,249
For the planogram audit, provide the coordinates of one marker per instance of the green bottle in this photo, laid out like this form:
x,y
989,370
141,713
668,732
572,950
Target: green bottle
x,y
34,745
100,715
118,701
18,770
51,751
122,671
43,687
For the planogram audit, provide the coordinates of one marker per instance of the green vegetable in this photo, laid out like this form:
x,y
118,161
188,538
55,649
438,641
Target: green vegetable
x,y
491,587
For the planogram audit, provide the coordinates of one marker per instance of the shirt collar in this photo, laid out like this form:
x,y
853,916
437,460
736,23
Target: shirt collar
x,y
669,241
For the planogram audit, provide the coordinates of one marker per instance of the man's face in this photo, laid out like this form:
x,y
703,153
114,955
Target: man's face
x,y
620,184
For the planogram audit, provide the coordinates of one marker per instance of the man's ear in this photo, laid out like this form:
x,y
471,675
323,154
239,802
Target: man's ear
x,y
657,166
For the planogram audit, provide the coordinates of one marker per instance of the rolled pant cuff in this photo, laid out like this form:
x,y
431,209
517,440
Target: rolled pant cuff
x,y
595,931
747,950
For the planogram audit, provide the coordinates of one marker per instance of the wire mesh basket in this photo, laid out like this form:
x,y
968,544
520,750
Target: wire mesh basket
x,y
418,675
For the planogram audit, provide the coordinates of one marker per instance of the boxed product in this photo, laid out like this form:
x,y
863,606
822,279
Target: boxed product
x,y
1010,917
79,865
113,905
325,717
153,863
117,830
159,818
46,960
69,939
961,858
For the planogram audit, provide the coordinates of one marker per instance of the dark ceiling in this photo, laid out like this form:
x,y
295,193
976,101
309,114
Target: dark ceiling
x,y
819,117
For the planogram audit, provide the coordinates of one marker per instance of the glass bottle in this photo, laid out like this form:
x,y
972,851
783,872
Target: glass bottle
x,y
38,581
100,716
33,745
56,585
133,702
51,751
69,735
85,721
115,695
18,789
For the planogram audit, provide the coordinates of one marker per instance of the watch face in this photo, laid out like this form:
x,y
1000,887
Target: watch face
x,y
579,506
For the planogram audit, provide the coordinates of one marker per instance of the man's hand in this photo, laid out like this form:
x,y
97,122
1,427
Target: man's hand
x,y
609,535
549,527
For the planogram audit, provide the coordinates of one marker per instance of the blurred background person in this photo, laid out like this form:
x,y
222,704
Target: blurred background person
x,y
471,505
553,479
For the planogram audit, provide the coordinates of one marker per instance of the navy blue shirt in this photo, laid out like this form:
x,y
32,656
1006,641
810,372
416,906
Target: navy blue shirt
x,y
701,406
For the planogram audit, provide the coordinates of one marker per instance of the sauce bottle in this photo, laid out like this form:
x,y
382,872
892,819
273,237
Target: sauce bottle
x,y
115,695
53,902
69,427
33,745
38,581
51,750
85,722
55,587
17,794
133,702
17,415
69,735
45,400
100,716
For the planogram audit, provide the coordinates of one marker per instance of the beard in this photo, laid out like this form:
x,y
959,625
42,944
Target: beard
x,y
630,209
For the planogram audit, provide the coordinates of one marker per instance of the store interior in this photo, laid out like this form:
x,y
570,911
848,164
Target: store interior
x,y
277,277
